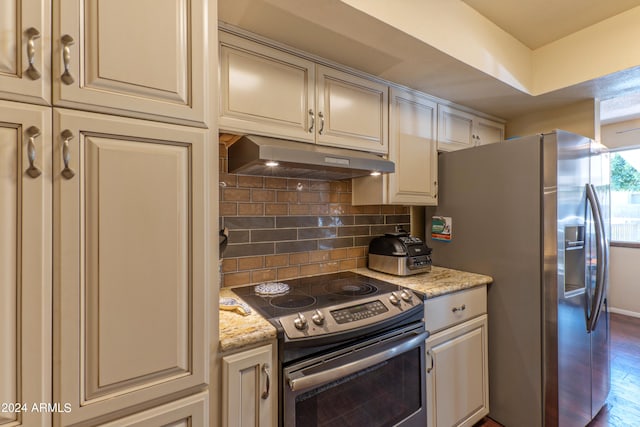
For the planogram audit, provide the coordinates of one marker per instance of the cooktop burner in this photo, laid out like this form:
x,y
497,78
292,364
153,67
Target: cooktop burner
x,y
350,288
292,301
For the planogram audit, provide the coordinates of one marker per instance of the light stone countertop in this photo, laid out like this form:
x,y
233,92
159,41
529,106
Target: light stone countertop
x,y
439,281
238,331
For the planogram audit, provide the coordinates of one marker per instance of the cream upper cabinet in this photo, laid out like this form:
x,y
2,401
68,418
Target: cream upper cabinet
x,y
352,112
249,388
413,149
25,263
144,59
457,359
488,131
130,260
25,51
459,129
271,92
265,90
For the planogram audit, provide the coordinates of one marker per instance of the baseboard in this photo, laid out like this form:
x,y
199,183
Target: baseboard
x,y
624,312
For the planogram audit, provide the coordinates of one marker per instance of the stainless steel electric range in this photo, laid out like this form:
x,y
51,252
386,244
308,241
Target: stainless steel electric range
x,y
350,349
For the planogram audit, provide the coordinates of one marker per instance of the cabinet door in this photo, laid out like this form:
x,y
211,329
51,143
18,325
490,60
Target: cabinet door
x,y
25,264
413,148
457,375
488,131
25,51
248,389
352,112
130,261
144,58
188,412
455,129
265,91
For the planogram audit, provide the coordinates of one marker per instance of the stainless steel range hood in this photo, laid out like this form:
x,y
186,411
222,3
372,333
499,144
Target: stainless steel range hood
x,y
251,155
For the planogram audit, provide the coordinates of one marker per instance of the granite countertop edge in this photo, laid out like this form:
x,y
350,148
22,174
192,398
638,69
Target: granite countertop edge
x,y
238,331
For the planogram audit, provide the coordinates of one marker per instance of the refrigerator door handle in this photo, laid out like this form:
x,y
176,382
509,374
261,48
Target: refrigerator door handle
x,y
602,257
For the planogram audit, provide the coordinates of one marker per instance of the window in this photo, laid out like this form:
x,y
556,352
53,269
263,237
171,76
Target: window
x,y
625,196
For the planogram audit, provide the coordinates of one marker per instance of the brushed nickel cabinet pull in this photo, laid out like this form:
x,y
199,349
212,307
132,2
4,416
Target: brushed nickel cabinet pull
x,y
321,122
67,41
33,35
67,136
461,308
313,120
32,132
267,386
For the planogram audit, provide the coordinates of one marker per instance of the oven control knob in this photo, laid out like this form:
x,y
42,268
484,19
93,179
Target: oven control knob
x,y
405,295
394,298
300,322
318,318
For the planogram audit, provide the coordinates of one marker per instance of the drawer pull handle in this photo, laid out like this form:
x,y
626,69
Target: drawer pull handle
x,y
461,308
430,368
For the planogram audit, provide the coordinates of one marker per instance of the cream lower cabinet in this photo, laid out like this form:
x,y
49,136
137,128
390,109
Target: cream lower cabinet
x,y
272,92
457,359
130,256
25,264
250,388
189,412
413,149
459,129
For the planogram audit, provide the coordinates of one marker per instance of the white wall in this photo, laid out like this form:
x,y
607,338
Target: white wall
x,y
624,278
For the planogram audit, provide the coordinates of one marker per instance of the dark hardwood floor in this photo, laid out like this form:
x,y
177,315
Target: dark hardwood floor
x,y
622,408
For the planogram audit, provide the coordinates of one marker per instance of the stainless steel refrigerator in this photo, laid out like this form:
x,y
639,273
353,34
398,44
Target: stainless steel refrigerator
x,y
526,212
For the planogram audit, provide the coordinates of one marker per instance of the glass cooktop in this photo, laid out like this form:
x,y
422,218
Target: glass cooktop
x,y
308,293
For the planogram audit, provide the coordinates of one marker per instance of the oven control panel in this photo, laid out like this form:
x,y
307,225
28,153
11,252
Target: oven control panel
x,y
348,316
359,312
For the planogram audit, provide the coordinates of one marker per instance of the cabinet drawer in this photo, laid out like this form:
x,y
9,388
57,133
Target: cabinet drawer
x,y
190,411
447,310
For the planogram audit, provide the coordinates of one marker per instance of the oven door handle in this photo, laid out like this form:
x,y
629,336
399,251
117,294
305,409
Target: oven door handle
x,y
301,381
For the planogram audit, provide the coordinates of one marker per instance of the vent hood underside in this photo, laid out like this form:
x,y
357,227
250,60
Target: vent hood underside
x,y
249,154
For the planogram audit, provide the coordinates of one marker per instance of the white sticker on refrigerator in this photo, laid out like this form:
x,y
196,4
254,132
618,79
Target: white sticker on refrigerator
x,y
441,228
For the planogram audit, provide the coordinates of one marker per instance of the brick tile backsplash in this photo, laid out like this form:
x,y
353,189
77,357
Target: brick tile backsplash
x,y
282,228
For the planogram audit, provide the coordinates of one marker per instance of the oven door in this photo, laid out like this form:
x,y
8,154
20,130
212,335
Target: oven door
x,y
379,382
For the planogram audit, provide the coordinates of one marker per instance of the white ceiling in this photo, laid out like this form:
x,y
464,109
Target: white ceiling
x,y
539,22
333,30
